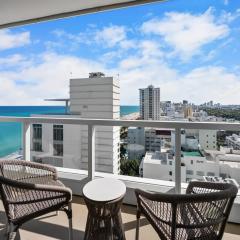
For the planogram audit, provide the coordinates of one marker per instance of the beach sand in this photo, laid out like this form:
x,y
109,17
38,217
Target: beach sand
x,y
132,116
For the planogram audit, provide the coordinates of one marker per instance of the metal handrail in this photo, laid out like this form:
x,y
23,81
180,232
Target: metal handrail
x,y
92,123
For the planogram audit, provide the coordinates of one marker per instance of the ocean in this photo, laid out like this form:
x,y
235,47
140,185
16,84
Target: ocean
x,y
11,133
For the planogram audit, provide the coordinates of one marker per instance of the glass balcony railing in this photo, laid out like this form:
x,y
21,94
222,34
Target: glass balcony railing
x,y
171,155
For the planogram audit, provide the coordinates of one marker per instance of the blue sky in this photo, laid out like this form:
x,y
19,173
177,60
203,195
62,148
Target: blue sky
x,y
190,49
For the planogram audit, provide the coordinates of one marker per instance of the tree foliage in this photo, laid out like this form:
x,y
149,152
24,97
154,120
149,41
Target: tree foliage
x,y
130,167
225,113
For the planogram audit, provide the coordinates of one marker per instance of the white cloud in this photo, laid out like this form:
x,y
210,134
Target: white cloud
x,y
226,2
48,74
12,40
198,85
11,60
186,33
47,79
111,36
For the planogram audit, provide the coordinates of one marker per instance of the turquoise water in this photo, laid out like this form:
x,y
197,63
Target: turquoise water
x,y
11,133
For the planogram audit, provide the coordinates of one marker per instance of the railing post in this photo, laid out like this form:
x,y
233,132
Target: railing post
x,y
178,160
26,141
91,151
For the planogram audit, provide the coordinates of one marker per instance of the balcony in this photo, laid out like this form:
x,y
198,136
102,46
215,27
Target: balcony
x,y
55,227
76,178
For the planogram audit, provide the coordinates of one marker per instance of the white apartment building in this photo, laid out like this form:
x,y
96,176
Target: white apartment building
x,y
194,166
153,139
150,103
233,141
147,139
157,165
193,139
136,143
208,139
67,145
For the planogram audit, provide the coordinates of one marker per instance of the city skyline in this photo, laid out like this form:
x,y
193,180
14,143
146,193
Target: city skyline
x,y
188,50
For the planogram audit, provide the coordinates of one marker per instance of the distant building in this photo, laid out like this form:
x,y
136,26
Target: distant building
x,y
208,139
157,165
153,139
65,145
150,103
194,166
188,112
136,143
233,141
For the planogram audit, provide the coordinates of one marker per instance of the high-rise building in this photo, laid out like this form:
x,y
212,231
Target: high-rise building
x,y
150,103
65,145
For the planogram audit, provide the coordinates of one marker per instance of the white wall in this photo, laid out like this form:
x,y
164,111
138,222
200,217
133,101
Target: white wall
x,y
208,139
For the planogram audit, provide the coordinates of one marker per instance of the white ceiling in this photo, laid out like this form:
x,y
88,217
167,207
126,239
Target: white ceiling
x,y
18,12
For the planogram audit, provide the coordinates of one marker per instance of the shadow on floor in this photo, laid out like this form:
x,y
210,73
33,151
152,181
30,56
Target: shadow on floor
x,y
43,228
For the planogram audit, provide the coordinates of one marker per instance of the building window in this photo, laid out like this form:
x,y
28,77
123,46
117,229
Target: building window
x,y
170,173
191,161
190,172
58,149
37,137
170,163
200,173
58,140
210,174
57,132
223,175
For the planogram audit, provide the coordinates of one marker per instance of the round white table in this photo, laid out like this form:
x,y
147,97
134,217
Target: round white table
x,y
103,198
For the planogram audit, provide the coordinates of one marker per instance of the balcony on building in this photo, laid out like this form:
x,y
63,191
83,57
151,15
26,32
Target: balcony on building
x,y
15,13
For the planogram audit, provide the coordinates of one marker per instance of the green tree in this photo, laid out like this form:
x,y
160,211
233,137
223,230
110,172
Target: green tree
x,y
122,151
130,167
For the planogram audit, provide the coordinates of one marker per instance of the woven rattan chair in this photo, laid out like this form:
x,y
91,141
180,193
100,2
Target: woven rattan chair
x,y
199,214
29,190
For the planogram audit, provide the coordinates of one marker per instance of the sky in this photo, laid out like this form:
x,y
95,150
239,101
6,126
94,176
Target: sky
x,y
190,49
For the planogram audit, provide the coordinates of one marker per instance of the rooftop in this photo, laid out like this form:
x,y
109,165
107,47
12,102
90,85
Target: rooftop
x,y
54,226
192,154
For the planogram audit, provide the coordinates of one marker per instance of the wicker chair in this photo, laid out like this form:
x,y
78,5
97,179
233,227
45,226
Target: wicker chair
x,y
29,190
199,214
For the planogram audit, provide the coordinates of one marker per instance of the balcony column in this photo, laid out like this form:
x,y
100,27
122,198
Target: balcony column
x,y
91,151
178,160
26,141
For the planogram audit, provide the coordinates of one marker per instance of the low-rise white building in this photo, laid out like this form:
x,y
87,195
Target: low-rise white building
x,y
233,141
157,165
192,139
208,139
194,166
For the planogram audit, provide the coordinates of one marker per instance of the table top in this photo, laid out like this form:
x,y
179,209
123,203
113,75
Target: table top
x,y
104,189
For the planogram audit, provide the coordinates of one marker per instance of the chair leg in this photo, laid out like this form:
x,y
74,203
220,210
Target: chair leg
x,y
12,231
138,224
69,214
